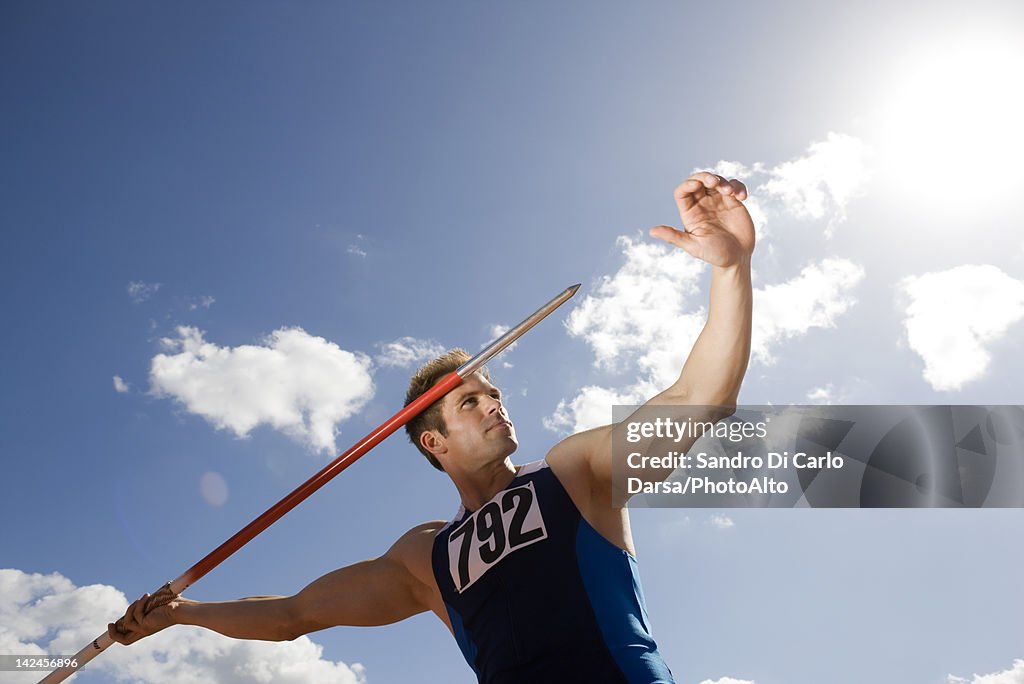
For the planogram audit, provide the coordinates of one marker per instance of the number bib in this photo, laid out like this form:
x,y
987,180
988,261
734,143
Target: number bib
x,y
503,525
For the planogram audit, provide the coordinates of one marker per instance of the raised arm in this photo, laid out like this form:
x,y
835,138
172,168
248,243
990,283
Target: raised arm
x,y
373,592
717,229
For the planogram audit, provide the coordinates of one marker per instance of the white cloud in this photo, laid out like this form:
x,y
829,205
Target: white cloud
x,y
635,318
1015,675
295,382
140,291
642,314
204,302
408,351
642,320
817,186
120,386
728,680
592,407
813,299
48,614
355,250
822,395
497,330
722,522
821,183
953,316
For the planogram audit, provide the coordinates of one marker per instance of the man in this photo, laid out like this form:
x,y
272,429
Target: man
x,y
536,575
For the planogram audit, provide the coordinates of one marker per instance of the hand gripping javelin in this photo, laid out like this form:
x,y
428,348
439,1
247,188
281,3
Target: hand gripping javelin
x,y
360,448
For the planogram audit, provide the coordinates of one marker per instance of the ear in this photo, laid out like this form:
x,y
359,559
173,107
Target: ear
x,y
434,442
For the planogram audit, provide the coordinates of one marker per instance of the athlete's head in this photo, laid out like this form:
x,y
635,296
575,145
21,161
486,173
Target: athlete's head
x,y
474,408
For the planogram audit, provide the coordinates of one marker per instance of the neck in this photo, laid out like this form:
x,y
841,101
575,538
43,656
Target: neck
x,y
479,486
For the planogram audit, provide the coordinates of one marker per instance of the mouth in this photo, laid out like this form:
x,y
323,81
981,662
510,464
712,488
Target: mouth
x,y
499,424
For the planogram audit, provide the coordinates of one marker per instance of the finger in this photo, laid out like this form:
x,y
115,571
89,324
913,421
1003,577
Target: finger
x,y
726,187
707,179
117,631
156,603
687,188
129,621
722,187
666,233
701,184
679,238
138,609
117,636
161,597
143,602
713,184
739,190
691,191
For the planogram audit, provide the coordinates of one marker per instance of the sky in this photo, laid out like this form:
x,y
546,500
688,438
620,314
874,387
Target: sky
x,y
231,231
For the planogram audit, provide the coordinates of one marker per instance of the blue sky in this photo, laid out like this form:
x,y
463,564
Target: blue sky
x,y
362,179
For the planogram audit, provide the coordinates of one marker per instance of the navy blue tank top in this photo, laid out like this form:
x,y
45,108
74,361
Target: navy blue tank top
x,y
535,594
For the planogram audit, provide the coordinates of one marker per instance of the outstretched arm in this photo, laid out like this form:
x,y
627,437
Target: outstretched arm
x,y
373,592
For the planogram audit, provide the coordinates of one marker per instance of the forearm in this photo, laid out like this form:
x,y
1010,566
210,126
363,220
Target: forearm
x,y
717,363
269,618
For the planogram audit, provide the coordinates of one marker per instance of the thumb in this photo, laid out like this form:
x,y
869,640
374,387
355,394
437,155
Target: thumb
x,y
679,238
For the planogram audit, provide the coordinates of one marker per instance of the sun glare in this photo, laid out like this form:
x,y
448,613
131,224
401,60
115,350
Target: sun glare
x,y
950,122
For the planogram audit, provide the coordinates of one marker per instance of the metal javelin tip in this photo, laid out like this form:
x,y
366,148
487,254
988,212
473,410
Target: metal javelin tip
x,y
488,352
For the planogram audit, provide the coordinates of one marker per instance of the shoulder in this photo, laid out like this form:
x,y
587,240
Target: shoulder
x,y
413,549
417,540
585,456
582,463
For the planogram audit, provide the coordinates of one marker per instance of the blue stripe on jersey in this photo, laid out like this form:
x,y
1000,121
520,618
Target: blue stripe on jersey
x,y
466,644
603,565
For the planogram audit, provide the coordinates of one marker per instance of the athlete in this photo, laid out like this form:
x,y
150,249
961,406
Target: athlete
x,y
536,576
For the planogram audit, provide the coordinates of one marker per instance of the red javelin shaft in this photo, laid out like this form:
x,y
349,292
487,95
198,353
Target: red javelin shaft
x,y
303,491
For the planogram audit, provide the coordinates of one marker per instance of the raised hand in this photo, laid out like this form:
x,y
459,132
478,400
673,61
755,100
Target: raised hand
x,y
716,226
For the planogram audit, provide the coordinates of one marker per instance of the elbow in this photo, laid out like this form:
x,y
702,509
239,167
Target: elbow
x,y
290,632
714,406
721,406
718,409
291,625
721,410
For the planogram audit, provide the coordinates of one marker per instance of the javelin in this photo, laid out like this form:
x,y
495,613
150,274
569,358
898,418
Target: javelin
x,y
275,512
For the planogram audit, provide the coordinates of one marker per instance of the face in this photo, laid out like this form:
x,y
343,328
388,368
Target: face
x,y
479,428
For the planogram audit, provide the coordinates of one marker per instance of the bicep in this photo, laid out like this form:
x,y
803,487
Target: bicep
x,y
600,454
373,592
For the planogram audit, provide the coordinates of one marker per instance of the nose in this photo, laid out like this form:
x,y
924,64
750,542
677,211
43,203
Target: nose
x,y
495,405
